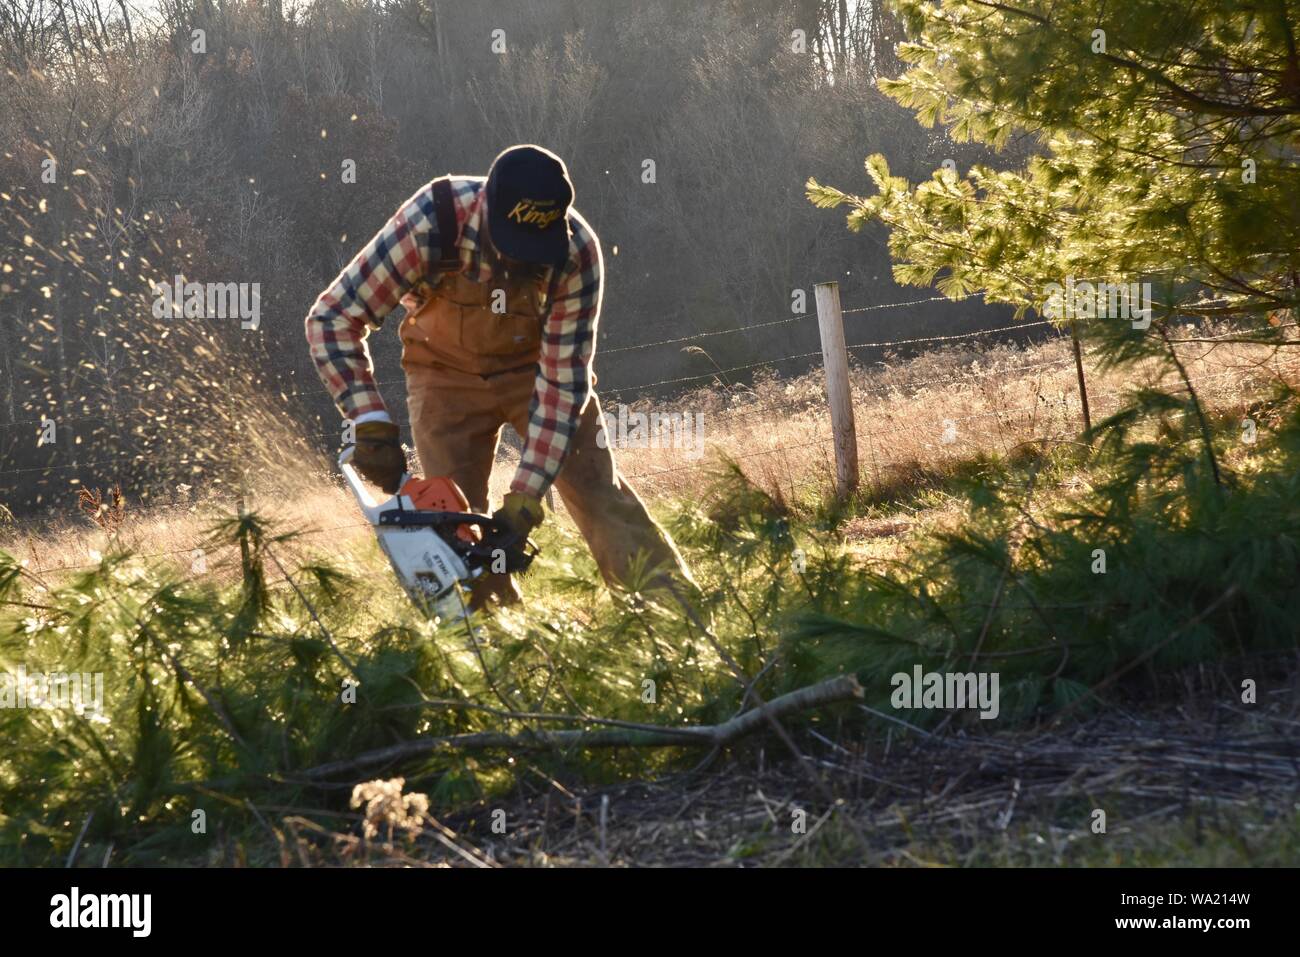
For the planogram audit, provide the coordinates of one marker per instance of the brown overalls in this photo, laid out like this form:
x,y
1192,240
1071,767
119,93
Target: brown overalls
x,y
470,370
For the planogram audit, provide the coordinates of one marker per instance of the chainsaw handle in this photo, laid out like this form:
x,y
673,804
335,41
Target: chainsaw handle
x,y
369,507
519,553
399,511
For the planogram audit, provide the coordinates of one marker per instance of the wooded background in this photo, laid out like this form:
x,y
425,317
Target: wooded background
x,y
227,166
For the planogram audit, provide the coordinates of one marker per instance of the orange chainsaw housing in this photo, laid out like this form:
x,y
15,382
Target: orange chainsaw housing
x,y
440,494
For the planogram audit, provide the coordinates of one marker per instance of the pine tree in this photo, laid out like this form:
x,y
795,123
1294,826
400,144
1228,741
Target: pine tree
x,y
1169,139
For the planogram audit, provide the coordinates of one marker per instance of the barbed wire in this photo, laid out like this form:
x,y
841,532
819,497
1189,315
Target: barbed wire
x,y
704,335
681,379
818,352
914,302
317,393
961,335
800,317
957,375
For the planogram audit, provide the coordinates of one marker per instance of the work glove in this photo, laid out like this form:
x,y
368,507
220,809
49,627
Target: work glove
x,y
379,456
518,515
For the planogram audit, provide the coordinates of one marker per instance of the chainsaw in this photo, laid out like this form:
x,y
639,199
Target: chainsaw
x,y
436,545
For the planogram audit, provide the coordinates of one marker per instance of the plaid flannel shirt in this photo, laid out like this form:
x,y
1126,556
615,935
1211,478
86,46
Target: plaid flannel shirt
x,y
399,257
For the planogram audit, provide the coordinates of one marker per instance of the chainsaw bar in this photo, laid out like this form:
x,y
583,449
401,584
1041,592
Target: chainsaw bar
x,y
434,551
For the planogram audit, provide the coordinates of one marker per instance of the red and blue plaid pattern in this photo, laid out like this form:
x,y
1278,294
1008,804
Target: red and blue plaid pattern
x,y
399,257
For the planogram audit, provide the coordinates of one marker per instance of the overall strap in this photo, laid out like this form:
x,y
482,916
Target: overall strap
x,y
444,210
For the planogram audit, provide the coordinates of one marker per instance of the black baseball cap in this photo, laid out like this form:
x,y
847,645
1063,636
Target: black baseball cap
x,y
528,197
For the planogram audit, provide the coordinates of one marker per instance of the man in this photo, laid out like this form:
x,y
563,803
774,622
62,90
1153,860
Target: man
x,y
502,281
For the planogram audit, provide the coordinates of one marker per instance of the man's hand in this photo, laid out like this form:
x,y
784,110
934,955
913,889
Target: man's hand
x,y
379,456
518,515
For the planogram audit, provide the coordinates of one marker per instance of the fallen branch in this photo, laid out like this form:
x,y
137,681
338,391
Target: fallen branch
x,y
827,692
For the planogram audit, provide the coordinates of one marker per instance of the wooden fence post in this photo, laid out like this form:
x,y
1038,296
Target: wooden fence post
x,y
835,359
1083,385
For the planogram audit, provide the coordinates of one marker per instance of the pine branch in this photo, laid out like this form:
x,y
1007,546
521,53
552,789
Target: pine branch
x,y
831,691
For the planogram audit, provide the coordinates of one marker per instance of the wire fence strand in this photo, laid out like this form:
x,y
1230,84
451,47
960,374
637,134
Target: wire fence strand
x,y
716,374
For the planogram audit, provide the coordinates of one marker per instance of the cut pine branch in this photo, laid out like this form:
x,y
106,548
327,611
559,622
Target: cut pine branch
x,y
831,691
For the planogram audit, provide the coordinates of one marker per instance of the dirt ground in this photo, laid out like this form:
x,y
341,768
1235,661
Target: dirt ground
x,y
1217,787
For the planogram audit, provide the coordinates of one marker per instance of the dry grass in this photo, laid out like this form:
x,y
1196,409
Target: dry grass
x,y
916,419
178,531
